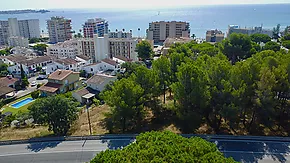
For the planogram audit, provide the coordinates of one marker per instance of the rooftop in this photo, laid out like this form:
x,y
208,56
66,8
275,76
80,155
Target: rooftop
x,y
123,58
15,58
99,78
85,91
84,57
66,61
36,60
5,81
110,61
50,87
60,74
5,90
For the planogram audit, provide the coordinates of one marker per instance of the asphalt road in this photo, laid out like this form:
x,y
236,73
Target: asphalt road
x,y
30,89
83,151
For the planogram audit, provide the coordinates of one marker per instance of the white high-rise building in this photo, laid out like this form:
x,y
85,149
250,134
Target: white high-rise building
x,y
124,47
95,26
14,41
96,48
13,27
18,28
4,32
160,31
59,29
29,28
120,34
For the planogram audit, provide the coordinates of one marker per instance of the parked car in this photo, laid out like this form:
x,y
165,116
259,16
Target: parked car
x,y
33,83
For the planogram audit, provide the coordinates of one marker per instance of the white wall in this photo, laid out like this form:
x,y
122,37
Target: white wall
x,y
101,47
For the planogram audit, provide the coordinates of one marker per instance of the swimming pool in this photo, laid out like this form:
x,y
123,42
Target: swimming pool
x,y
22,103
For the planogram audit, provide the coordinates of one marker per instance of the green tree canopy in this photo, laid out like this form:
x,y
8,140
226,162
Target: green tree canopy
x,y
286,44
55,111
164,147
237,47
34,40
40,47
258,37
272,46
125,99
144,50
276,32
286,37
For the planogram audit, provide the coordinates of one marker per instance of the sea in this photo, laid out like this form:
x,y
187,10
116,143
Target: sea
x,y
201,18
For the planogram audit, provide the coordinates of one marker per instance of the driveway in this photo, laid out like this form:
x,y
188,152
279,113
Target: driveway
x,y
30,89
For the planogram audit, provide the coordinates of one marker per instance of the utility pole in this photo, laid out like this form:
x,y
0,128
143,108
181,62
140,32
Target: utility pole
x,y
88,111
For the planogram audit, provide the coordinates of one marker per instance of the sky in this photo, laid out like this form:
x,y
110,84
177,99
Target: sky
x,y
130,4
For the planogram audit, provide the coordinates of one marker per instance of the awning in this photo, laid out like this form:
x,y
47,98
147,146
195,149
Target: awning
x,y
88,96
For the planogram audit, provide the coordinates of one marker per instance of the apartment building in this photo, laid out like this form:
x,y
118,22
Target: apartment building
x,y
29,28
159,31
214,36
95,26
59,29
18,41
248,31
97,48
4,32
124,47
67,49
18,28
120,34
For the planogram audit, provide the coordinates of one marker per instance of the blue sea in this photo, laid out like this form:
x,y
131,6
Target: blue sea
x,y
201,18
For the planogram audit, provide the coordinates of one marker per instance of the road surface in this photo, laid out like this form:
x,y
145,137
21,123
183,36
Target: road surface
x,y
85,150
30,89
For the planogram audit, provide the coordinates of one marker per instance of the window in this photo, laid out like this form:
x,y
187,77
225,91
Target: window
x,y
92,69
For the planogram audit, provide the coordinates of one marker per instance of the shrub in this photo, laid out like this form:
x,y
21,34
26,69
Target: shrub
x,y
35,94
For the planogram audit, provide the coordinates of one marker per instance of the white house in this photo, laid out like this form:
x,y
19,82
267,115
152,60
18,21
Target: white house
x,y
104,65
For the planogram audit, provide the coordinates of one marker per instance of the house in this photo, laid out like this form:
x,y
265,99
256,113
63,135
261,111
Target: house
x,y
121,59
6,92
95,84
68,64
29,65
61,81
104,65
9,81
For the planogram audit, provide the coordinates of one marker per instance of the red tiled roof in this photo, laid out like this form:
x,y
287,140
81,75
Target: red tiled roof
x,y
5,81
110,61
5,90
60,74
50,87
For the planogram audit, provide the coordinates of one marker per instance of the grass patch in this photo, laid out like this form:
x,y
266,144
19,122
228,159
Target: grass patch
x,y
24,133
9,108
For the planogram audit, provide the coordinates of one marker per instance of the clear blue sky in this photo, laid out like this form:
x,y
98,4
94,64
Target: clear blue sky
x,y
56,4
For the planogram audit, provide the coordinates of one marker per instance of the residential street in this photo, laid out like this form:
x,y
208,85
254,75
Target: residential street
x,y
30,89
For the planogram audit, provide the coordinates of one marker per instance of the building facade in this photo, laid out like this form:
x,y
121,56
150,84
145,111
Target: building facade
x,y
214,36
159,31
29,28
124,47
13,27
120,34
67,49
4,32
59,29
95,26
248,31
18,41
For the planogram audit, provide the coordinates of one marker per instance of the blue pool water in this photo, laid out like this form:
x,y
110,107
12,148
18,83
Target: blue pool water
x,y
22,103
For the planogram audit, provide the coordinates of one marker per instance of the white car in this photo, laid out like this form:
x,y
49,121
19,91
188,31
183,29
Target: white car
x,y
33,84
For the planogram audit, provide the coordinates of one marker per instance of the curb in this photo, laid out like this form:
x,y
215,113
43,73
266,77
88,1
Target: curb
x,y
133,136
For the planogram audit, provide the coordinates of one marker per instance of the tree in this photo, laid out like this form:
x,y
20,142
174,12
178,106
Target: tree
x,y
126,105
40,48
286,44
193,36
34,40
78,35
276,32
237,47
272,46
56,112
3,69
144,50
83,73
192,95
6,51
258,38
286,37
164,147
161,67
130,67
35,94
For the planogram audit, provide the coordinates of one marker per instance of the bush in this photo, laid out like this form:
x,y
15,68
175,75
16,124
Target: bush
x,y
286,44
35,94
38,85
164,147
